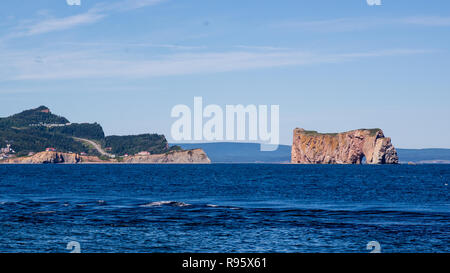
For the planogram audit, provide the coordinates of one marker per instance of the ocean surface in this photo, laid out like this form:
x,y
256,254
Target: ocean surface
x,y
224,208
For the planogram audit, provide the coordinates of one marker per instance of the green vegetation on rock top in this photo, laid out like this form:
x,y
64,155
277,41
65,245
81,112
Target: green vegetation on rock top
x,y
372,132
153,143
317,133
33,116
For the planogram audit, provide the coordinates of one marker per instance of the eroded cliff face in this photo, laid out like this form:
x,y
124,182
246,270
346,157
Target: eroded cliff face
x,y
179,157
53,158
310,147
192,156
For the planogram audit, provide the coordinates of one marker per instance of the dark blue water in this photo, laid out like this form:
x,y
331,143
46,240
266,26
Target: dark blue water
x,y
224,208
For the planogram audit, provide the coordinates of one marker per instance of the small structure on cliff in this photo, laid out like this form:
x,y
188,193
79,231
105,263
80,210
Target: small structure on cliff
x,y
311,147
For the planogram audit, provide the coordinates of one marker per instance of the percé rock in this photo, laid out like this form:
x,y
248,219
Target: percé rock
x,y
180,157
311,147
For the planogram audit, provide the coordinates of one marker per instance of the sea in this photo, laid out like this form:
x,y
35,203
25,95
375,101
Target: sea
x,y
230,208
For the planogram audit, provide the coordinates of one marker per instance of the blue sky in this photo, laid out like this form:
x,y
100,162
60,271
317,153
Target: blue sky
x,y
330,65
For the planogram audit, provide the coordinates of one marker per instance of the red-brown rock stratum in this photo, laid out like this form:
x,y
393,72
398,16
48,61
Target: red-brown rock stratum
x,y
311,147
179,157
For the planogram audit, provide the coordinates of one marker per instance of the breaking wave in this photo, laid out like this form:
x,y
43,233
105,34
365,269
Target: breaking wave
x,y
165,203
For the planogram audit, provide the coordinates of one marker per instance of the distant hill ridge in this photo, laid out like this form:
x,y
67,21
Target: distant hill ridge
x,y
227,152
39,115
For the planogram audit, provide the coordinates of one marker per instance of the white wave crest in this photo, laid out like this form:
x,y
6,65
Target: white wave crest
x,y
165,203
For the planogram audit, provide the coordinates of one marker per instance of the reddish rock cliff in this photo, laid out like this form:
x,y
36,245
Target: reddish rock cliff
x,y
53,158
179,157
310,147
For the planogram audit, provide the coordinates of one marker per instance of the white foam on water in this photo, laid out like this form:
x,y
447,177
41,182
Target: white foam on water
x,y
165,203
45,212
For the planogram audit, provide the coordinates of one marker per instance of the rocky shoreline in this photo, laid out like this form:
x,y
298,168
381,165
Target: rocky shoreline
x,y
196,156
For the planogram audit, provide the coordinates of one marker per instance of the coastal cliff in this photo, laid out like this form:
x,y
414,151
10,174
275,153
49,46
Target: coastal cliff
x,y
53,158
192,156
24,135
180,157
311,147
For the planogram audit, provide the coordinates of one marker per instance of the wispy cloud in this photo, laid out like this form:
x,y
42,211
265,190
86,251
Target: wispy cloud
x,y
124,5
427,21
94,64
131,45
137,4
93,15
340,24
265,48
50,25
362,23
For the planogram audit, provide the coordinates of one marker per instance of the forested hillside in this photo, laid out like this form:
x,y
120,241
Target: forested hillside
x,y
37,129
